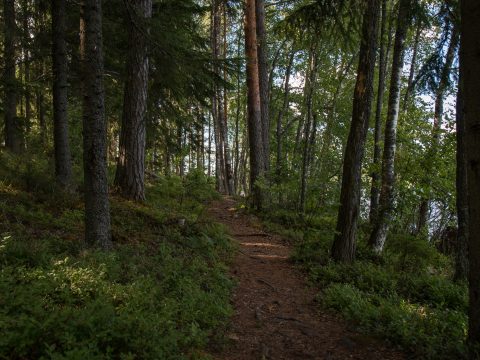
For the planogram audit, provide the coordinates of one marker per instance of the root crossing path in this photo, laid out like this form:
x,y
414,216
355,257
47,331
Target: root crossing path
x,y
276,314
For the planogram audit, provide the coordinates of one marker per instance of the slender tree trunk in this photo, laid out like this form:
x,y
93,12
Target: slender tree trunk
x,y
281,114
263,79
130,174
470,73
437,124
254,123
13,134
411,75
209,150
237,115
226,150
63,162
377,151
217,101
344,244
461,256
310,88
380,229
97,208
26,49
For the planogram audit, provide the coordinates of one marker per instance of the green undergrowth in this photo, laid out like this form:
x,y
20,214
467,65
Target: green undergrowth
x,y
162,293
405,297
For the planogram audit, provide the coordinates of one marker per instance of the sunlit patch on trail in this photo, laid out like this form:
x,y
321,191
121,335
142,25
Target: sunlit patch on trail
x,y
261,245
279,257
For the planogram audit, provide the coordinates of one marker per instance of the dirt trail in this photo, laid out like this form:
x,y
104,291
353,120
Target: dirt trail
x,y
276,315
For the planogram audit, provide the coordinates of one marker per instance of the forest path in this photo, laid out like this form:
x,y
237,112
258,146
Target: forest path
x,y
276,315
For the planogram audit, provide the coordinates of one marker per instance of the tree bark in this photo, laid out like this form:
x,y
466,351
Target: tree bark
x,y
377,151
380,228
263,78
344,244
309,91
254,123
470,68
461,260
130,174
97,208
217,101
13,133
63,161
237,115
229,185
411,75
281,114
27,60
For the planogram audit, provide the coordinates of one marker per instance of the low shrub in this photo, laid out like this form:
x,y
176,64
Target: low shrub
x,y
162,293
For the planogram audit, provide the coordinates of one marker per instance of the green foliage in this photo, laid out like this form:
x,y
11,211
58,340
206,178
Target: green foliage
x,y
427,333
405,296
161,294
412,253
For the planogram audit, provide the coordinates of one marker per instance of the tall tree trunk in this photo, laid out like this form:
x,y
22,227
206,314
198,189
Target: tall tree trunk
x,y
263,78
437,124
254,123
217,100
13,134
226,150
63,162
461,260
27,60
310,88
209,150
377,151
97,208
380,229
344,244
411,75
470,73
130,174
281,114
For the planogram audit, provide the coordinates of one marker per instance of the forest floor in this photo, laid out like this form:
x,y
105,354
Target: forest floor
x,y
276,314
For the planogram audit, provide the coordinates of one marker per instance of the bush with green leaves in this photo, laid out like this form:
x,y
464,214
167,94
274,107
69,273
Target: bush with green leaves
x,y
162,293
405,296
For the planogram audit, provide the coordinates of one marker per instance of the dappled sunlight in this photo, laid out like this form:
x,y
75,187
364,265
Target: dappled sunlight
x,y
271,257
267,245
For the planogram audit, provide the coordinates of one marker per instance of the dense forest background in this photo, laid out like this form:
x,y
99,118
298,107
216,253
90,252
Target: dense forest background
x,y
344,125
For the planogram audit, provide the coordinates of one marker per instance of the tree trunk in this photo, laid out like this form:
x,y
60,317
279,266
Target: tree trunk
x,y
217,101
130,174
377,152
281,114
13,134
470,73
97,208
226,150
380,229
26,50
461,260
412,65
309,91
63,161
237,115
254,123
343,248
263,78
